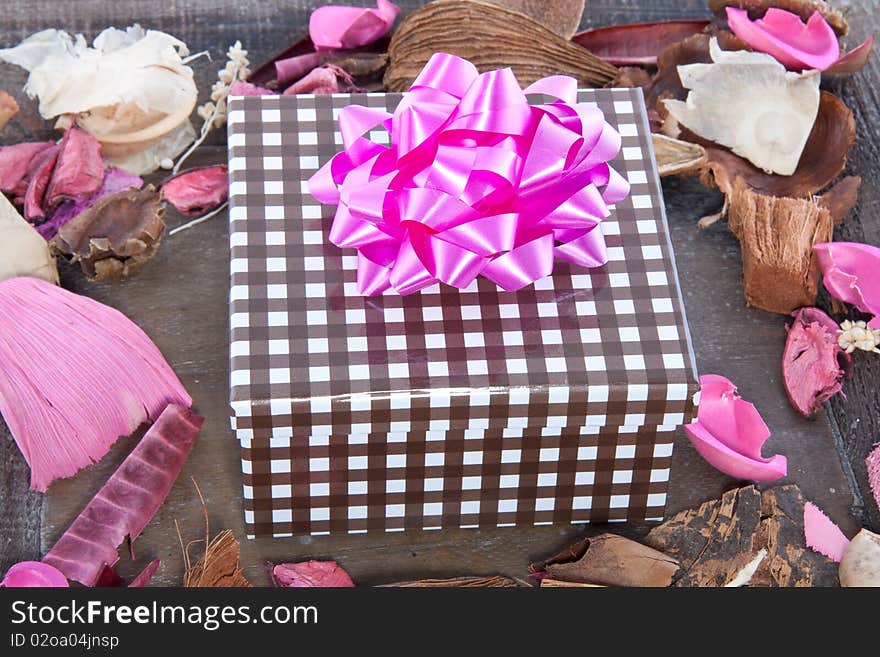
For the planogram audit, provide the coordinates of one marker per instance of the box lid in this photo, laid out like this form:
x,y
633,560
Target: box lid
x,y
309,356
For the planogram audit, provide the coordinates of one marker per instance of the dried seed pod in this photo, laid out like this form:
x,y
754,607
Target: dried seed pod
x,y
860,565
803,8
676,157
637,43
115,236
491,37
560,16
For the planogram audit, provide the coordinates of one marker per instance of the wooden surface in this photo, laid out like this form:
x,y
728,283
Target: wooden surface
x,y
180,299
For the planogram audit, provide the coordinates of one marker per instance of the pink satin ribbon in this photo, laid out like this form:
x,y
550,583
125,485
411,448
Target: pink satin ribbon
x,y
475,181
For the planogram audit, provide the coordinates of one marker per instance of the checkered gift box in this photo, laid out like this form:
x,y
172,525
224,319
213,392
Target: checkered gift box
x,y
447,407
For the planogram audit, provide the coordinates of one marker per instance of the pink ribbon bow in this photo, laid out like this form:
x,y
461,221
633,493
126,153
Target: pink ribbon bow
x,y
475,181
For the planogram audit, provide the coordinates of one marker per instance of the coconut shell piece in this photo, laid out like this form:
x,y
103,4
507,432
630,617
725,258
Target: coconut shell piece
x,y
560,16
860,565
115,236
219,567
637,43
777,235
611,560
491,37
493,581
676,157
803,8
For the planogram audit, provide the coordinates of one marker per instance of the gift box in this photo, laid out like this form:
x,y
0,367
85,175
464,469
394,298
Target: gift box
x,y
473,407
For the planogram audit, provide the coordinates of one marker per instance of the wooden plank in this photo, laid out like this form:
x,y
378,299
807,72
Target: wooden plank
x,y
180,299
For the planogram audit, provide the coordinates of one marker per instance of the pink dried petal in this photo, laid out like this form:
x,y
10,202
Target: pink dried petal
x,y
872,463
822,535
729,433
143,578
33,574
327,79
79,171
197,191
783,35
637,43
38,176
128,500
853,61
351,27
327,574
850,273
14,162
811,362
74,376
247,89
293,68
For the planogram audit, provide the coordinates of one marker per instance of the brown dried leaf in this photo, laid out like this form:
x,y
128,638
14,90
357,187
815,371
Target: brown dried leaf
x,y
8,108
115,236
560,16
491,37
803,8
492,581
777,235
219,567
611,560
676,157
637,43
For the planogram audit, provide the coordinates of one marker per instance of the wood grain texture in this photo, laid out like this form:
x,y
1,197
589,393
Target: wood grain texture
x,y
180,299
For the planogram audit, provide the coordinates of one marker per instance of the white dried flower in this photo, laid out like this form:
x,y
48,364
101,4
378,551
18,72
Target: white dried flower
x,y
857,335
206,111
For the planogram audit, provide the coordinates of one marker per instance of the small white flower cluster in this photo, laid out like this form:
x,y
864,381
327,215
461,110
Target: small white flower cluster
x,y
857,335
237,69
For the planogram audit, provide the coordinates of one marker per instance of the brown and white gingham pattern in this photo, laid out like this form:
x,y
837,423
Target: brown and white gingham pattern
x,y
313,362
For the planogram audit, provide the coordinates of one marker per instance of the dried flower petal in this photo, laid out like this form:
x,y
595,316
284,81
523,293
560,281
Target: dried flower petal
x,y
803,8
74,376
850,274
636,43
729,433
822,535
34,574
860,565
14,163
8,108
79,171
197,191
115,236
811,369
327,79
248,89
304,574
23,252
143,578
335,26
853,61
38,175
748,102
129,499
781,34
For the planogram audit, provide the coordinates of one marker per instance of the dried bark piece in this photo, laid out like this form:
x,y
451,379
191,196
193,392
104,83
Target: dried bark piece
x,y
777,234
493,581
637,43
720,538
611,560
115,236
219,567
491,37
803,8
8,108
841,198
860,565
560,16
676,157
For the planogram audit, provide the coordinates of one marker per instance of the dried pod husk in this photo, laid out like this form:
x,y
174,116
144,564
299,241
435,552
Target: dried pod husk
x,y
637,43
678,158
803,8
853,61
115,236
777,234
491,37
493,581
560,16
611,560
860,565
219,567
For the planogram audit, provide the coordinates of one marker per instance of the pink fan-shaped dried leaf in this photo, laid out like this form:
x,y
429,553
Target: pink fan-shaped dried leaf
x,y
327,574
822,535
850,273
34,574
74,376
783,35
129,499
872,463
729,433
813,364
335,26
